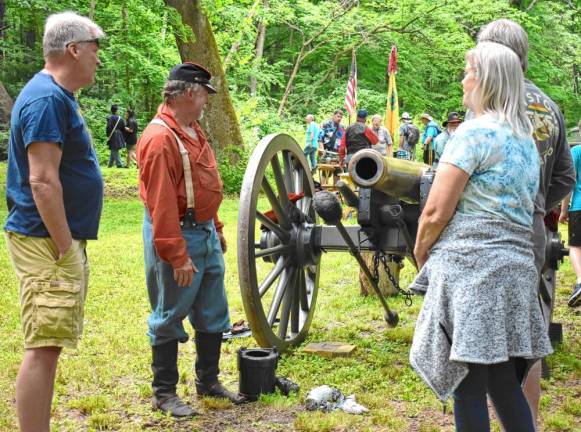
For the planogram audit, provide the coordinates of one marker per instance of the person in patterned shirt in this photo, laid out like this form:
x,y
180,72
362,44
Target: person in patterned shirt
x,y
557,171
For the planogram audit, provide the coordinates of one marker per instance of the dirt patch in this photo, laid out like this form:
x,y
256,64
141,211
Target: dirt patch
x,y
121,191
245,418
428,418
249,418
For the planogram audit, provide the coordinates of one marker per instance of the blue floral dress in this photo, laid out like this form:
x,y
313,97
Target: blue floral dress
x,y
480,279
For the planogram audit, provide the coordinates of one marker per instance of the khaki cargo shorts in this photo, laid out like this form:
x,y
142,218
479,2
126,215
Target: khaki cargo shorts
x,y
52,290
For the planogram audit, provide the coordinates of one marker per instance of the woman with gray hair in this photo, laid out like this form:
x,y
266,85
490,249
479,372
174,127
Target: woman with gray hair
x,y
480,325
385,143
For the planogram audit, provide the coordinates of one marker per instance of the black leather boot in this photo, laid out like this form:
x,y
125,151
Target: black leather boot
x,y
164,366
208,347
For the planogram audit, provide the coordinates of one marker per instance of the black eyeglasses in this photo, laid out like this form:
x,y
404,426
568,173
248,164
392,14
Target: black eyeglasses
x,y
96,41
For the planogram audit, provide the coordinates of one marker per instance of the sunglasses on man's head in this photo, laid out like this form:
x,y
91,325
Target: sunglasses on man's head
x,y
95,40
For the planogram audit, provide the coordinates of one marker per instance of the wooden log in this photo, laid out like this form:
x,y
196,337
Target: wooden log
x,y
385,285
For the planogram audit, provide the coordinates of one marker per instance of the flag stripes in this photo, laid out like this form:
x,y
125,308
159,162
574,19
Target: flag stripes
x,y
351,94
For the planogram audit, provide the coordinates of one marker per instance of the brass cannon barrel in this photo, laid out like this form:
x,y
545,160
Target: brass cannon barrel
x,y
395,177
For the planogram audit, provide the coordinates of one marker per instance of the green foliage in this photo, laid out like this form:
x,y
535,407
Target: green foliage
x,y
431,37
560,422
431,43
103,421
232,173
136,55
4,135
91,404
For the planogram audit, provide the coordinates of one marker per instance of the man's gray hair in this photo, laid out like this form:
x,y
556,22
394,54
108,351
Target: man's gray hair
x,y
376,116
174,88
499,86
63,28
509,34
310,117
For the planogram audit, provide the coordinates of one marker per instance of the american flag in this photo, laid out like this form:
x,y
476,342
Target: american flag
x,y
351,95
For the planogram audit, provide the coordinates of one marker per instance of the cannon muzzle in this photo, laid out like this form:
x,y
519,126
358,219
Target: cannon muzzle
x,y
395,177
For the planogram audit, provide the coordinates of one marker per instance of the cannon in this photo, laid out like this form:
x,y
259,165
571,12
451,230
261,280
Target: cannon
x,y
281,241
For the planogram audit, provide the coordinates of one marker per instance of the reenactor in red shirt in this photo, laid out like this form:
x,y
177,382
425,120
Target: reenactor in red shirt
x,y
181,188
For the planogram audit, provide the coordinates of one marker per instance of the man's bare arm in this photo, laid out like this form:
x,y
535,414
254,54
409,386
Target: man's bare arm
x,y
44,159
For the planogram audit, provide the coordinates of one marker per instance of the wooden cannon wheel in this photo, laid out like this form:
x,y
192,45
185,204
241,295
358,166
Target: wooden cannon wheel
x,y
279,274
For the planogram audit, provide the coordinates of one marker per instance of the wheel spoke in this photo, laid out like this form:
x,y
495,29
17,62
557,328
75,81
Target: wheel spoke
x,y
272,275
288,169
278,295
280,214
283,190
306,205
310,279
281,248
304,298
298,187
286,306
273,226
298,180
295,303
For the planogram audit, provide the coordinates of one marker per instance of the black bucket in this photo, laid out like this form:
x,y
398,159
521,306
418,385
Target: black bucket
x,y
256,368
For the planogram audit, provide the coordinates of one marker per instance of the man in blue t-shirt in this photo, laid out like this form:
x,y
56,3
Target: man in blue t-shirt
x,y
311,140
54,192
571,210
431,131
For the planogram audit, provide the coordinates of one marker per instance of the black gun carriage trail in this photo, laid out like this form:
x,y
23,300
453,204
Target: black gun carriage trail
x,y
285,226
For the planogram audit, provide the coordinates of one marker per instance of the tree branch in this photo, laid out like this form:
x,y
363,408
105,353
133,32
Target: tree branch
x,y
236,44
304,52
532,5
334,17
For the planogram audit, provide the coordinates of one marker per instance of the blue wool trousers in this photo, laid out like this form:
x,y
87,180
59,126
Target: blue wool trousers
x,y
311,155
203,302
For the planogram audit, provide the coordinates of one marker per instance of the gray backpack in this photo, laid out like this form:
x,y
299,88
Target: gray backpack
x,y
412,134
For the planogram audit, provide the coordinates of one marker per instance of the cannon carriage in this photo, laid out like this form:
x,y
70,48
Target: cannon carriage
x,y
281,241
285,226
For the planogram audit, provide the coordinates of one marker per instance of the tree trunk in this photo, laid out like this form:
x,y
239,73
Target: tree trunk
x,y
164,27
290,82
92,6
126,31
219,123
259,50
5,110
5,105
576,81
2,25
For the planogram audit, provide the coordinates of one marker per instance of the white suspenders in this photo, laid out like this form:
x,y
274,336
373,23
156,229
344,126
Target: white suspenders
x,y
187,168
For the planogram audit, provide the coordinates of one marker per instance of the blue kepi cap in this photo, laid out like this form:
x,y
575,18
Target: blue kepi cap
x,y
362,113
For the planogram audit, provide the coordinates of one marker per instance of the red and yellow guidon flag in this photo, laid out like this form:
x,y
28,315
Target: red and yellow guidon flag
x,y
392,113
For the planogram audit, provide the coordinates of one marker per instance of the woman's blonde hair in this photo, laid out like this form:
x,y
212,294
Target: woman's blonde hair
x,y
499,86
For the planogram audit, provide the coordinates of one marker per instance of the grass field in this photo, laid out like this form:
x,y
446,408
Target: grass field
x,y
105,384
